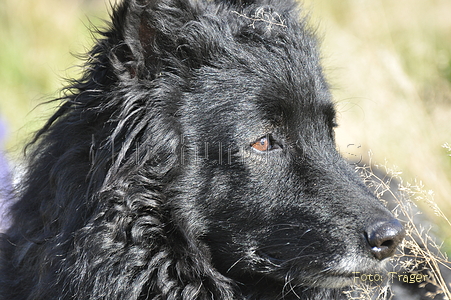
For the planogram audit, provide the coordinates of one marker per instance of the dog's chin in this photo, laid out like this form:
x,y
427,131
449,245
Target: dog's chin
x,y
336,274
343,273
333,282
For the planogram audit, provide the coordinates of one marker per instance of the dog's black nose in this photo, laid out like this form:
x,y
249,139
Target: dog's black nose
x,y
383,237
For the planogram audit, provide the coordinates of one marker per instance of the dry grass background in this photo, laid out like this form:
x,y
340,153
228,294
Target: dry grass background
x,y
420,252
389,63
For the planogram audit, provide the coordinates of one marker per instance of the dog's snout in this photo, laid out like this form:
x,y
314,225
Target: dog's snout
x,y
383,237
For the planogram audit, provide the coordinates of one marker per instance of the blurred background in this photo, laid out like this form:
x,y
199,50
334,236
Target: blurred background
x,y
388,62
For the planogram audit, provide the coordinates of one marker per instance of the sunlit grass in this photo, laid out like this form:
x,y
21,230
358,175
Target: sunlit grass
x,y
389,64
39,39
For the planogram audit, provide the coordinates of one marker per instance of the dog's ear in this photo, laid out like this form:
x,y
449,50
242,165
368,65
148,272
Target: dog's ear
x,y
148,33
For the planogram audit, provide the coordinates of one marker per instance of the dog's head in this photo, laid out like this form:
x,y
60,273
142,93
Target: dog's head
x,y
246,120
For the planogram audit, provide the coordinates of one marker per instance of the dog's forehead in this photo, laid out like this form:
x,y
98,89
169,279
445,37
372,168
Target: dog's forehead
x,y
266,61
283,81
276,49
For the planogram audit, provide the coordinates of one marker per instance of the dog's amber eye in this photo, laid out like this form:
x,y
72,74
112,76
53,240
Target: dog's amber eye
x,y
264,144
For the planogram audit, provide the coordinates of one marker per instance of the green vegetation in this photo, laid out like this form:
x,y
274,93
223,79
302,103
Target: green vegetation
x,y
39,39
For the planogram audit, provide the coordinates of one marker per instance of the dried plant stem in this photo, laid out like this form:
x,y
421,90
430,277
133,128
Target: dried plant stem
x,y
419,251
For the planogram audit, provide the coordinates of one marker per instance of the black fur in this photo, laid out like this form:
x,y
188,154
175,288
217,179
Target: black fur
x,y
147,184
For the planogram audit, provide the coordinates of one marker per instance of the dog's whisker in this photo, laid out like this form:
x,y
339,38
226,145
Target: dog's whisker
x,y
234,264
287,287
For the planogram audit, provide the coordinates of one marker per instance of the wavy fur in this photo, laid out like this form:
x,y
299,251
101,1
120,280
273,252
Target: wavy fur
x,y
115,204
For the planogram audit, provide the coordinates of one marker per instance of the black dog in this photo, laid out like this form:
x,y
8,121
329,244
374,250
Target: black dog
x,y
194,160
